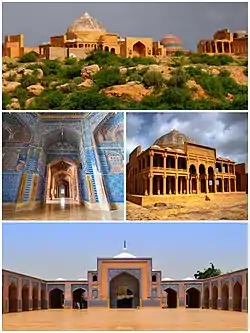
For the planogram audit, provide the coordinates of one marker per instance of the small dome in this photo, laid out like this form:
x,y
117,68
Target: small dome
x,y
124,255
189,278
60,279
167,279
85,23
173,139
81,279
172,43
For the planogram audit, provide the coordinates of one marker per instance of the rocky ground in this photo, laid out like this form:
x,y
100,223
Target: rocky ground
x,y
223,207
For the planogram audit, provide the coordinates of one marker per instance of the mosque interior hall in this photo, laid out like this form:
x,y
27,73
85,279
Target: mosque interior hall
x,y
63,166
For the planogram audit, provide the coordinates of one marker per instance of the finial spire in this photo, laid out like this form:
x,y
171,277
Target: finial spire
x,y
124,245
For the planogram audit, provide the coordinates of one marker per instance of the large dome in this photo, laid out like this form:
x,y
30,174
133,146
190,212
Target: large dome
x,y
85,23
173,139
172,43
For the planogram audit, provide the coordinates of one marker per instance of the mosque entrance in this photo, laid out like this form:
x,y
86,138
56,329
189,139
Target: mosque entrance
x,y
139,50
56,299
79,299
124,291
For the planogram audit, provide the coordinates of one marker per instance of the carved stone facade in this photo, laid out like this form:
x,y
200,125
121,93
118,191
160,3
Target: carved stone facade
x,y
225,42
175,165
128,279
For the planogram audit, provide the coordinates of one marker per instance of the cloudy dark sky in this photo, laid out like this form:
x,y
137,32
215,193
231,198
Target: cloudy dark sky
x,y
189,21
227,132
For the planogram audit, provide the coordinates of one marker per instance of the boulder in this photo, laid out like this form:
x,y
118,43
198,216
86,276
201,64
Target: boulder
x,y
14,105
35,89
86,84
88,71
39,73
63,87
29,102
160,204
10,86
131,89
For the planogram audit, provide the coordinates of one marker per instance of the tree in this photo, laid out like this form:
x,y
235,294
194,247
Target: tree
x,y
207,273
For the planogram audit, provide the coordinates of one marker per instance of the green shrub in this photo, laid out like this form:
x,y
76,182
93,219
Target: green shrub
x,y
225,73
12,64
108,77
34,67
176,98
152,79
78,80
29,57
47,80
70,61
178,79
28,80
52,67
48,100
5,100
211,60
71,72
22,96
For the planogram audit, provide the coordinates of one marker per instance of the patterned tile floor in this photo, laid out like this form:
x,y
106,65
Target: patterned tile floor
x,y
64,211
126,320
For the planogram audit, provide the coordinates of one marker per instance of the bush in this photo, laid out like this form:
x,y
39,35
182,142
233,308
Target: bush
x,y
34,67
12,64
52,67
108,77
29,57
211,60
22,96
71,72
152,79
70,61
224,73
48,100
28,80
5,100
78,80
178,79
176,98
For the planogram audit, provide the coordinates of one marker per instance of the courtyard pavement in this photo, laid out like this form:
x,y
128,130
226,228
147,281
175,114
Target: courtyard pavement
x,y
126,320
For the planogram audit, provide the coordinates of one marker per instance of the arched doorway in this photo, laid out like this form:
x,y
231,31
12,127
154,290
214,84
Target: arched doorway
x,y
139,50
237,297
106,49
225,297
25,298
79,299
56,299
43,299
192,298
13,302
124,291
206,298
215,297
202,174
193,180
171,298
112,50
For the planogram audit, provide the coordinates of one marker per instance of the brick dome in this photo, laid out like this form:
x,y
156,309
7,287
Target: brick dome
x,y
85,23
172,43
173,139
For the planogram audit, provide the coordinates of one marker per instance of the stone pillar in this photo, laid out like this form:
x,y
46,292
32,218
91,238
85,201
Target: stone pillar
x,y
164,184
222,46
215,185
31,295
222,182
181,185
244,304
68,296
39,296
219,300
229,185
197,185
158,186
191,186
176,163
216,48
151,163
207,184
187,181
19,295
164,161
235,190
170,185
176,184
151,177
230,298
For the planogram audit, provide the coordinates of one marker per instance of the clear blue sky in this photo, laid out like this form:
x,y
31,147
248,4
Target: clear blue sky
x,y
67,250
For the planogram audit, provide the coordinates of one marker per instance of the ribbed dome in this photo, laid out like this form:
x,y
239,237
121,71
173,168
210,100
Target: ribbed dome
x,y
172,43
85,23
173,139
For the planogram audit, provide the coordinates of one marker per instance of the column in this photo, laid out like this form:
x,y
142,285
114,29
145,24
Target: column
x,y
19,295
197,185
164,184
39,296
207,184
215,46
235,190
170,185
164,161
187,180
158,186
215,185
244,292
191,186
151,164
222,184
229,184
176,184
176,163
67,296
151,177
222,46
30,295
181,185
230,298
